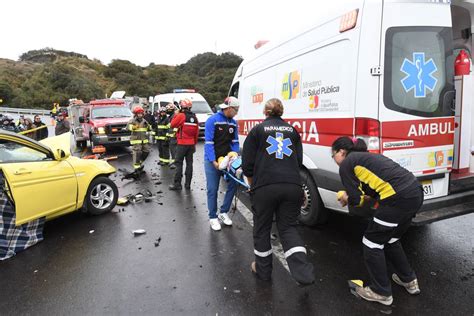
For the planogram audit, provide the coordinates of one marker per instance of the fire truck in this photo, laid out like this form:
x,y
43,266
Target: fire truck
x,y
101,122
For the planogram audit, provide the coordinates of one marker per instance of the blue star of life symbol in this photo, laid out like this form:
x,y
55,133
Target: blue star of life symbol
x,y
419,75
279,146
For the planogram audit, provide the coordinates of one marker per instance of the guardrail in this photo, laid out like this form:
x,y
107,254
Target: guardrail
x,y
24,111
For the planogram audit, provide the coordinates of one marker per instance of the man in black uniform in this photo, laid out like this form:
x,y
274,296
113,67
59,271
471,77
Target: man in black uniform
x,y
271,160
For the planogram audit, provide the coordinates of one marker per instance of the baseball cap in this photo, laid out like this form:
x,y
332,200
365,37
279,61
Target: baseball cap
x,y
230,102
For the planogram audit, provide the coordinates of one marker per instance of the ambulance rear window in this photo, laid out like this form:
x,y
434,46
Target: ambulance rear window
x,y
418,71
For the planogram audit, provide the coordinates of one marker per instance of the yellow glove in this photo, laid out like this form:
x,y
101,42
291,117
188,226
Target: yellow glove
x,y
233,154
340,194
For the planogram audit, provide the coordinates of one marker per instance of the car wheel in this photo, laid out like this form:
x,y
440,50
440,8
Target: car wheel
x,y
101,196
313,211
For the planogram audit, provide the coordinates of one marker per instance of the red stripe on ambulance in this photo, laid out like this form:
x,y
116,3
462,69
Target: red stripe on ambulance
x,y
312,131
418,133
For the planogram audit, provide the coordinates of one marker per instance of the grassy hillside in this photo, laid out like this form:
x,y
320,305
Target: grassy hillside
x,y
42,77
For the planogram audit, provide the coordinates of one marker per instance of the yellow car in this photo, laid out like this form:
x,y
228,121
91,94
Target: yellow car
x,y
44,180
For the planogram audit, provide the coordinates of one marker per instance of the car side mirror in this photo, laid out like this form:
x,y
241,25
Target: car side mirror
x,y
61,155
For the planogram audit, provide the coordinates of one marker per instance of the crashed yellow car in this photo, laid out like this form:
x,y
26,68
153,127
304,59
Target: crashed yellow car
x,y
44,180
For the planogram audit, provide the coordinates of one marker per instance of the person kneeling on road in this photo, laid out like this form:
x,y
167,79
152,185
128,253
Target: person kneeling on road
x,y
399,195
271,160
221,137
139,138
188,131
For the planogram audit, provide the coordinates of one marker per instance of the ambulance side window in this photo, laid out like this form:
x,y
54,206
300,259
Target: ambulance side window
x,y
418,70
234,91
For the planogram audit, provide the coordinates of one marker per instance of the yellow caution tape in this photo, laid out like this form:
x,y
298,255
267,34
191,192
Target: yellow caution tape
x,y
32,130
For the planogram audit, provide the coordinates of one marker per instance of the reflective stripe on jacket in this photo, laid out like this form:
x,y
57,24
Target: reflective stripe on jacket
x,y
139,129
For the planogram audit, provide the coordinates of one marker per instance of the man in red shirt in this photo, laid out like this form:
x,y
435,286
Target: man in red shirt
x,y
188,131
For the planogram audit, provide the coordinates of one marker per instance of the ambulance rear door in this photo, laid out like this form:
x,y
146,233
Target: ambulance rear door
x,y
416,92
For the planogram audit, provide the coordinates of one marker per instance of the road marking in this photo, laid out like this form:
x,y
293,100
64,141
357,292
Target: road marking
x,y
276,245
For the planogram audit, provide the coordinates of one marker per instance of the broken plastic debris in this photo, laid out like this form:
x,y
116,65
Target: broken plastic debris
x,y
157,242
122,201
138,232
137,198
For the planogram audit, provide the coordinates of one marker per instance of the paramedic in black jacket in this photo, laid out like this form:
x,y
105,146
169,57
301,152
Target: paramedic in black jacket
x,y
271,159
398,195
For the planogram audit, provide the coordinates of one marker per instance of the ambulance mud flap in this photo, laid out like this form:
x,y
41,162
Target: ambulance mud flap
x,y
313,211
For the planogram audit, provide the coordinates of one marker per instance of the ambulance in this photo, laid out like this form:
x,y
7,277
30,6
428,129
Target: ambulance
x,y
383,71
200,106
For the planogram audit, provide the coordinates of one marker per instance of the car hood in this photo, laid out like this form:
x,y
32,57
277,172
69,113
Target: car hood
x,y
105,121
62,141
97,166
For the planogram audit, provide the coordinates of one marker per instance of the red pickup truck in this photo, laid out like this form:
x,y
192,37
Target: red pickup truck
x,y
102,122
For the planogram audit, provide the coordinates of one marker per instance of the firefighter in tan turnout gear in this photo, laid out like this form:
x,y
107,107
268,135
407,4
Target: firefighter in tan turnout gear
x,y
139,138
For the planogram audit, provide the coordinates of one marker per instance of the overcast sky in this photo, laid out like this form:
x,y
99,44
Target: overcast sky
x,y
144,31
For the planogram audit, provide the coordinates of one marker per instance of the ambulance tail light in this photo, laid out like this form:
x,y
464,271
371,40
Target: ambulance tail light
x,y
369,130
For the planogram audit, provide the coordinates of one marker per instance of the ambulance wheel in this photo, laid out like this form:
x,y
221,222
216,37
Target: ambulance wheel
x,y
313,211
101,197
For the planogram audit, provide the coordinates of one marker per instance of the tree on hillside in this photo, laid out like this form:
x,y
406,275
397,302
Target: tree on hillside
x,y
55,76
6,93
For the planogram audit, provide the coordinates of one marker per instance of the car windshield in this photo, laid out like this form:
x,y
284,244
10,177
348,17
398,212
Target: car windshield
x,y
14,152
201,107
110,112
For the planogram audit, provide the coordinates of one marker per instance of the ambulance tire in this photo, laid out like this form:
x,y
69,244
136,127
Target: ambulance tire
x,y
314,212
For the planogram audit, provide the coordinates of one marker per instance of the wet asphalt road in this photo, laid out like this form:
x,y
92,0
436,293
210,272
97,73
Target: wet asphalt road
x,y
196,271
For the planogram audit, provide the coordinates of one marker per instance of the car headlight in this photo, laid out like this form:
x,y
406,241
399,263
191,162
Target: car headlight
x,y
101,130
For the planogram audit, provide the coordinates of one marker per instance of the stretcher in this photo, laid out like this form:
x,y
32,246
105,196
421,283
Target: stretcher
x,y
231,172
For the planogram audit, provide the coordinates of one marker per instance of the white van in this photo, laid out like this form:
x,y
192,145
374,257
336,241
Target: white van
x,y
200,106
384,72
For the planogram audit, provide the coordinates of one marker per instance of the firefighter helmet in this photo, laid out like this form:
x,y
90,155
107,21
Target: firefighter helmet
x,y
186,103
138,109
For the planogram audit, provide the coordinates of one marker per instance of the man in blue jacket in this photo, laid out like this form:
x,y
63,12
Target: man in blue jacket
x,y
221,137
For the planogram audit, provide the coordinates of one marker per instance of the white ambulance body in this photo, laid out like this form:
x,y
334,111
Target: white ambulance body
x,y
384,72
200,106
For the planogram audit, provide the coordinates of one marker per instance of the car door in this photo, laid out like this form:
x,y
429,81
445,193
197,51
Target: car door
x,y
39,184
416,118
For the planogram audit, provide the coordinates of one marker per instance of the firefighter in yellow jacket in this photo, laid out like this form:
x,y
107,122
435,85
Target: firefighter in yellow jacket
x,y
139,138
